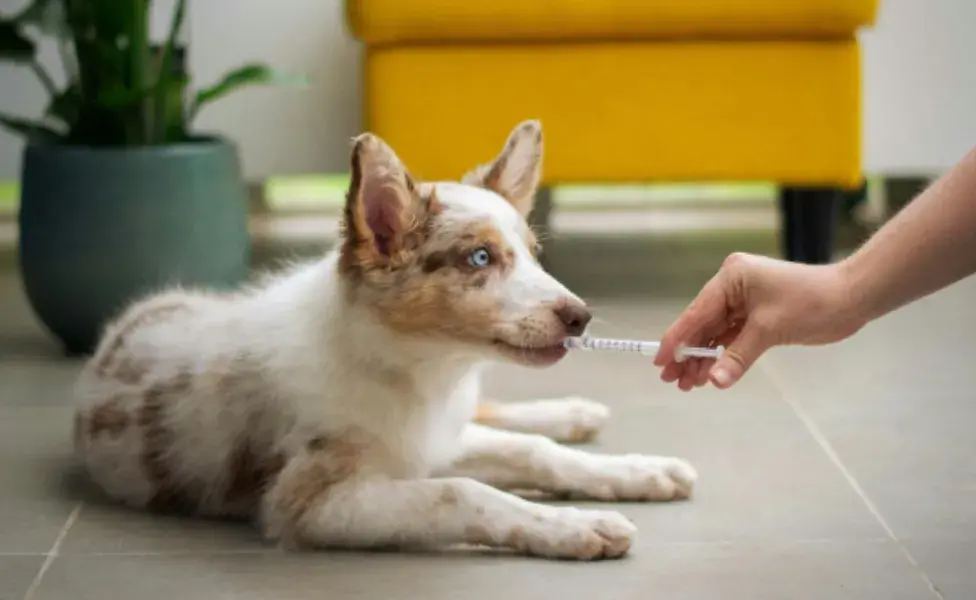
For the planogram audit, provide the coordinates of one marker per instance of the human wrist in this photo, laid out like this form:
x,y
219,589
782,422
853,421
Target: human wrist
x,y
854,289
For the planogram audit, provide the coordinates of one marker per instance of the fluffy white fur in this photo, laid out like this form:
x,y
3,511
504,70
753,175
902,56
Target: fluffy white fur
x,y
297,404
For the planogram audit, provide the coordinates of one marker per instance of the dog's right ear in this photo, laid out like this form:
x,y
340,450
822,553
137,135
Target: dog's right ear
x,y
515,173
384,213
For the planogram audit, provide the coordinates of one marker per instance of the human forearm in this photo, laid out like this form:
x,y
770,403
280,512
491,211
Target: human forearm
x,y
929,245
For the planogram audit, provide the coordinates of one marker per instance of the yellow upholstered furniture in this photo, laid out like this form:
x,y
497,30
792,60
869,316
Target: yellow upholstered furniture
x,y
627,90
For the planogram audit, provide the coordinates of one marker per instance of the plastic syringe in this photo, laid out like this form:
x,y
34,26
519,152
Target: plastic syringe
x,y
645,347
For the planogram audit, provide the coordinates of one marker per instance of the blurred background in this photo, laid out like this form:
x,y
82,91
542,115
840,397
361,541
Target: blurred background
x,y
148,143
914,117
900,115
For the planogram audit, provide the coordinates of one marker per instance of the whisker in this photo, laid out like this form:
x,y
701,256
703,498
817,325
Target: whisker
x,y
541,233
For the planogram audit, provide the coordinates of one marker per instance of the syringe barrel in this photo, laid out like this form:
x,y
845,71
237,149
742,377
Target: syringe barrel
x,y
715,353
649,348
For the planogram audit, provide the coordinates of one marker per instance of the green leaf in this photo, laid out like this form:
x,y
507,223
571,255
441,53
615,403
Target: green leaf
x,y
117,96
66,106
34,132
165,80
138,55
15,46
253,74
113,19
174,120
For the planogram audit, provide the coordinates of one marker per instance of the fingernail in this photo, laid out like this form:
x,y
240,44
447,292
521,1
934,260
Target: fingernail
x,y
721,377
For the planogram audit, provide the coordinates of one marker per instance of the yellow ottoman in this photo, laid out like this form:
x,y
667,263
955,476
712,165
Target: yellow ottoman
x,y
629,91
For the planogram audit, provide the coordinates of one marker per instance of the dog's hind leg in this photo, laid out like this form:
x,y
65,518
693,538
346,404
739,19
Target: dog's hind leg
x,y
518,461
308,507
570,420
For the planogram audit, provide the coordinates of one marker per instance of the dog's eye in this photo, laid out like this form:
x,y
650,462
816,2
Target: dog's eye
x,y
480,258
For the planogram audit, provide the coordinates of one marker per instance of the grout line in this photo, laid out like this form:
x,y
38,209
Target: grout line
x,y
275,550
53,553
831,453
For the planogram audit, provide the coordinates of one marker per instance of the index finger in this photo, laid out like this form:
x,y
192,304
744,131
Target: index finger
x,y
708,309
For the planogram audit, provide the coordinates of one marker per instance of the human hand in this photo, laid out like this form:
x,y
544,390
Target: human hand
x,y
752,304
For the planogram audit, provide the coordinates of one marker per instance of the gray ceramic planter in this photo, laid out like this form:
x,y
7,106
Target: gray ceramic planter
x,y
99,227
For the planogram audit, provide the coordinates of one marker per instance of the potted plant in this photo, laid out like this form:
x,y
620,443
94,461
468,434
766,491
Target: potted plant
x,y
118,196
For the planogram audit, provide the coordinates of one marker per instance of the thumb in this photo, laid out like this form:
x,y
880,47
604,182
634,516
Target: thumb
x,y
739,357
705,310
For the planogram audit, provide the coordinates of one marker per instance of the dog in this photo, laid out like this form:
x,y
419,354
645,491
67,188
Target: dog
x,y
337,403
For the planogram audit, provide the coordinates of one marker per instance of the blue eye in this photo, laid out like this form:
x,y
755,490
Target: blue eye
x,y
480,258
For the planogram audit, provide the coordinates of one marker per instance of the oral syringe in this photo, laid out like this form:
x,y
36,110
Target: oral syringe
x,y
645,347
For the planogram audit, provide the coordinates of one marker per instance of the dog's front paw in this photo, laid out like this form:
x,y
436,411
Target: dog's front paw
x,y
571,533
572,420
635,477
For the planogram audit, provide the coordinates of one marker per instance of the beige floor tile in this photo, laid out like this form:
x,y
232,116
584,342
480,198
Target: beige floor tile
x,y
16,575
800,572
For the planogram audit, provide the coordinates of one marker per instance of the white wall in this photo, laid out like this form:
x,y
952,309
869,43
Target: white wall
x,y
20,95
920,83
281,130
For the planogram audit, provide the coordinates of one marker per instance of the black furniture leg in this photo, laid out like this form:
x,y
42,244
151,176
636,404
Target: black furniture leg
x,y
809,222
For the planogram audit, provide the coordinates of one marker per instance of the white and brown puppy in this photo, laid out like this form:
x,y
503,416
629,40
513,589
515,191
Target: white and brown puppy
x,y
337,404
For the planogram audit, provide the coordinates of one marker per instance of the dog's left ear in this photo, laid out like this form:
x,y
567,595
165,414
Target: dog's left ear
x,y
384,213
515,173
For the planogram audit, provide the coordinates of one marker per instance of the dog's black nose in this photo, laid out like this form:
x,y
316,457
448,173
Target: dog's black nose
x,y
575,317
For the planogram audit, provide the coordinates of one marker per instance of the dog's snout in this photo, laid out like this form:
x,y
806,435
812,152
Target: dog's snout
x,y
575,317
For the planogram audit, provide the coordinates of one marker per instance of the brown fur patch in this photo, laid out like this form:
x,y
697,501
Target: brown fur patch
x,y
251,472
109,417
170,494
448,497
226,380
317,444
238,379
485,412
517,539
131,371
310,476
439,292
456,245
254,461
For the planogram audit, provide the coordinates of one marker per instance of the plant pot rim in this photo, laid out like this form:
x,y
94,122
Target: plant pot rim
x,y
199,144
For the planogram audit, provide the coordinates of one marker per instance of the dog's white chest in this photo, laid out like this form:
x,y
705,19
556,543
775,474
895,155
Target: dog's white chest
x,y
437,421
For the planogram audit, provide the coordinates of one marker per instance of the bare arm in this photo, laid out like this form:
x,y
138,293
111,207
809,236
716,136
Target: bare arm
x,y
754,303
929,245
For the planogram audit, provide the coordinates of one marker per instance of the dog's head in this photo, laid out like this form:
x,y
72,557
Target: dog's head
x,y
457,261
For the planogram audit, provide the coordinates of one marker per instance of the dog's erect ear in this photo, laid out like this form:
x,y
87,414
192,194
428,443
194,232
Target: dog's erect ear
x,y
515,173
384,213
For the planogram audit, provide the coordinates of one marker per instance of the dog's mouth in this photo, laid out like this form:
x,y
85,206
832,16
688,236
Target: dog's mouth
x,y
536,356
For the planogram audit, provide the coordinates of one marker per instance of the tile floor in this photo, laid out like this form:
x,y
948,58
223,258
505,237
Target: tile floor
x,y
845,472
